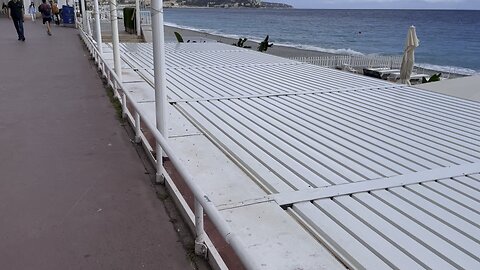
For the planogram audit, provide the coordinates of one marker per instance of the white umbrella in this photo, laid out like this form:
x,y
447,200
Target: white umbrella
x,y
408,60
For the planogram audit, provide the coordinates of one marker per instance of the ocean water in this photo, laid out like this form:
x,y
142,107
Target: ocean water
x,y
449,39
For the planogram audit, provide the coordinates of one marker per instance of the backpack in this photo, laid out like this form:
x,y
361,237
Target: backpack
x,y
55,9
45,10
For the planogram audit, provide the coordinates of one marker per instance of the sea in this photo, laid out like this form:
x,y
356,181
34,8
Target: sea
x,y
449,39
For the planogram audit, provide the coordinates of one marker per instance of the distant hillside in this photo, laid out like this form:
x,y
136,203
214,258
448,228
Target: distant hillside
x,y
229,3
275,5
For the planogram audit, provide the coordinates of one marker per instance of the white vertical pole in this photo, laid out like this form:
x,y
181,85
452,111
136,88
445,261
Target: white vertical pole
x,y
26,5
138,130
200,248
89,27
84,15
124,105
158,36
137,16
98,28
115,40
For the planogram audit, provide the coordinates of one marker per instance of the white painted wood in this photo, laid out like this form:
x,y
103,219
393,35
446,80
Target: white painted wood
x,y
448,203
472,181
378,244
273,166
458,186
426,220
471,203
395,233
325,138
432,250
453,219
337,239
377,184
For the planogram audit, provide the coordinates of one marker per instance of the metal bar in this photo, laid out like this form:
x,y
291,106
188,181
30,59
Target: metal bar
x,y
115,39
376,184
89,27
98,28
159,77
84,14
138,130
137,17
200,247
124,105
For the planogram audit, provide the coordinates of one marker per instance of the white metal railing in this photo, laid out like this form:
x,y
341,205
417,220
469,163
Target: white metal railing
x,y
202,201
352,60
145,17
89,21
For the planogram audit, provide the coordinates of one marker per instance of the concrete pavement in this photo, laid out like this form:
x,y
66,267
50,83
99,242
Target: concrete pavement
x,y
74,193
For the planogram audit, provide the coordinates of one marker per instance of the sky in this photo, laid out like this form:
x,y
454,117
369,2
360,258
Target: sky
x,y
384,4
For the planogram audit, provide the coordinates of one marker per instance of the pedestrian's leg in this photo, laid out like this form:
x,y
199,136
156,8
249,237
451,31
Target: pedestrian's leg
x,y
15,22
20,27
33,19
49,31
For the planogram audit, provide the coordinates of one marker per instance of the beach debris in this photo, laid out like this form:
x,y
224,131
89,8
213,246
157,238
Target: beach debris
x,y
179,37
264,45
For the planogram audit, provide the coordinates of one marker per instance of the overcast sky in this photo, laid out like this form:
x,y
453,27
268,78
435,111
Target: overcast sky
x,y
389,4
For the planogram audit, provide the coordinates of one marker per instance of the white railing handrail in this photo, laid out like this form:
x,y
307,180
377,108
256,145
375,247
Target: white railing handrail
x,y
352,60
145,17
200,196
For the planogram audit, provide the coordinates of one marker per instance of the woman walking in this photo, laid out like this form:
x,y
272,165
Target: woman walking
x,y
32,11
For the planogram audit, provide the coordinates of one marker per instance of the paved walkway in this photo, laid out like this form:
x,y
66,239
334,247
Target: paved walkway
x,y
73,191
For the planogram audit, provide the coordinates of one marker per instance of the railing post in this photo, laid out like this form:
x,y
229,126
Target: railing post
x,y
138,130
84,15
89,27
115,39
159,71
115,88
124,105
200,247
98,28
137,17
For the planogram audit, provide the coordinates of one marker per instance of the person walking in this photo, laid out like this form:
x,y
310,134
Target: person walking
x,y
56,12
32,11
16,14
4,8
46,11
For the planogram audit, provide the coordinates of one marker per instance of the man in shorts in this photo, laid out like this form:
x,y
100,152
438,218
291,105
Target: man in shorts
x,y
46,11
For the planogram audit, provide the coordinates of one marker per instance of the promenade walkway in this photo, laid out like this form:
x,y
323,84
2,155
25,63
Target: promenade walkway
x,y
74,193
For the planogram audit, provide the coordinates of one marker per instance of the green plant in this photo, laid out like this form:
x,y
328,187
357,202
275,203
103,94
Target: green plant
x,y
115,103
179,37
264,45
434,78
